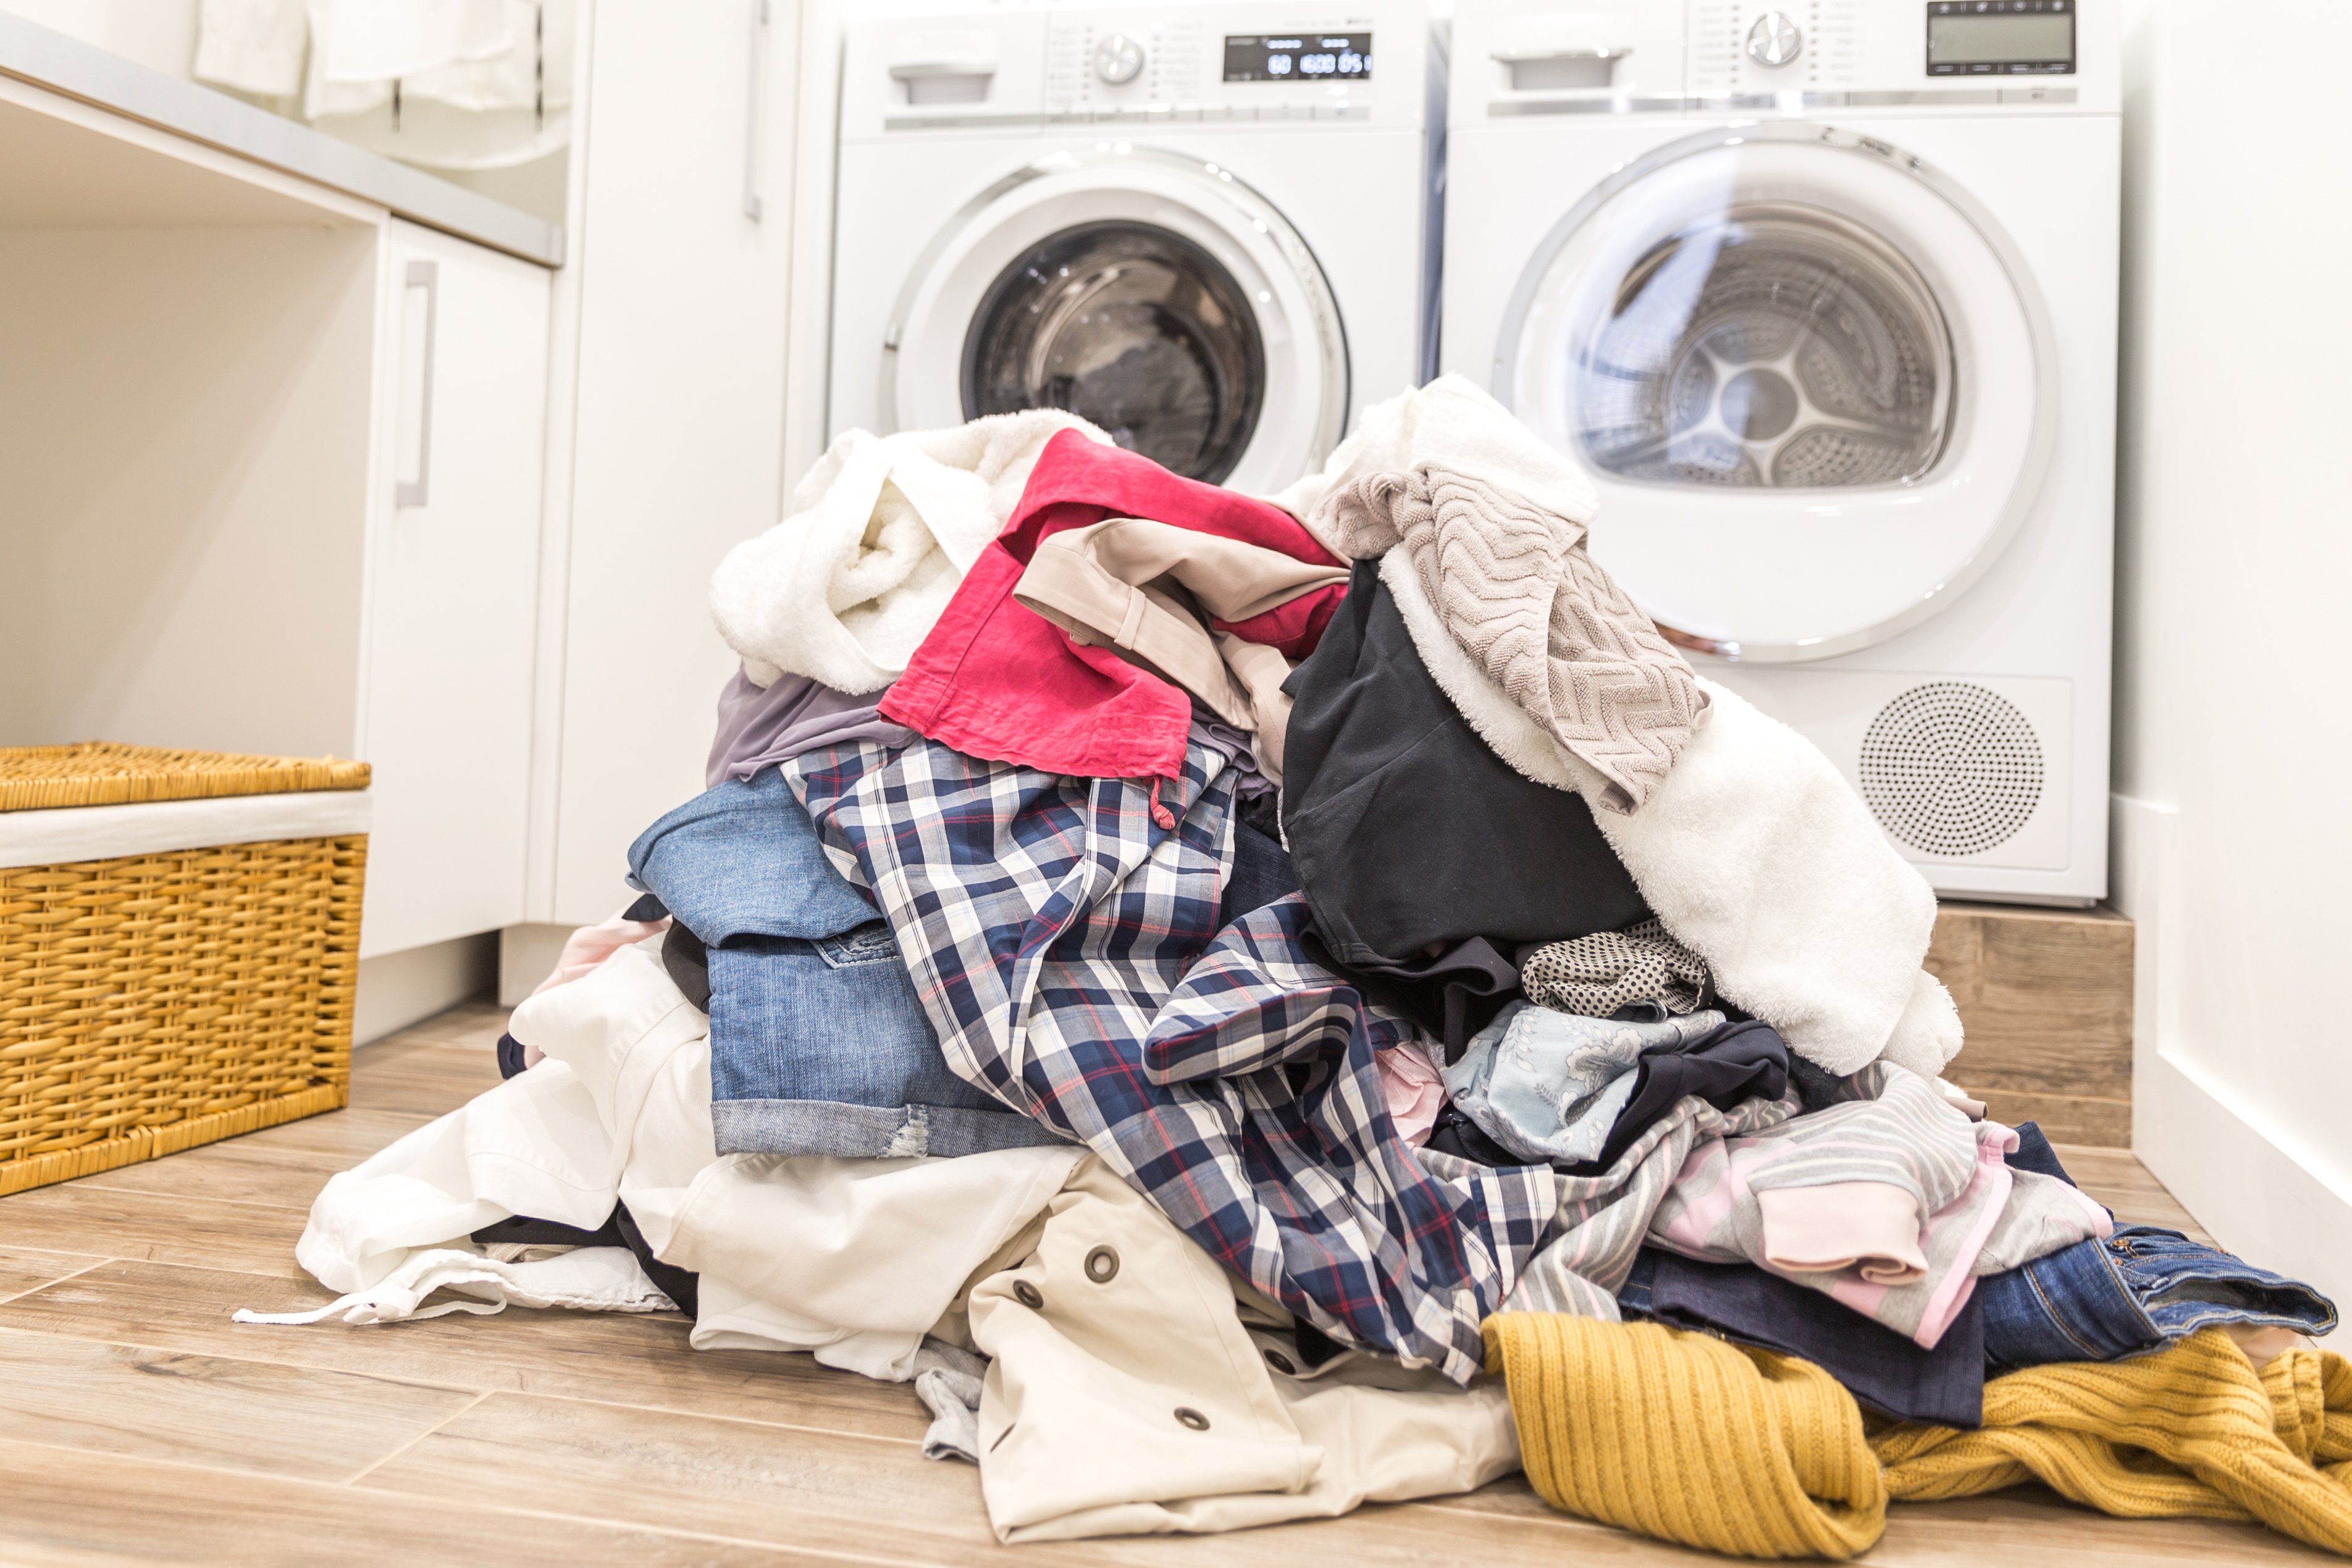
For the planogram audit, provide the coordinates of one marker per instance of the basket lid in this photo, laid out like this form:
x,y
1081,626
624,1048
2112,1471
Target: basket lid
x,y
103,773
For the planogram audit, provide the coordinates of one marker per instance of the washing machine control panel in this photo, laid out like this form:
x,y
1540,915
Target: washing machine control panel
x,y
1141,66
1314,54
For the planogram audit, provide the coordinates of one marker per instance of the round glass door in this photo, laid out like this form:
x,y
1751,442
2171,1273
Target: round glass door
x,y
1154,294
1772,345
1133,328
1810,377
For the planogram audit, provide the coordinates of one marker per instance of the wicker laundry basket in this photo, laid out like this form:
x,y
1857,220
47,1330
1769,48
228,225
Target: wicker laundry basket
x,y
183,968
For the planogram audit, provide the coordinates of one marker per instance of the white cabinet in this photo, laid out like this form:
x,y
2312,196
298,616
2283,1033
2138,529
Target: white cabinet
x,y
461,398
669,447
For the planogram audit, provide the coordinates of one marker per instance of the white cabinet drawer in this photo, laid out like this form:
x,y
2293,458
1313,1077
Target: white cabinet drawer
x,y
447,712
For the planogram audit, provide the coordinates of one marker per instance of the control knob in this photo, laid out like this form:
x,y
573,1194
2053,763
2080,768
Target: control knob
x,y
1774,40
1118,59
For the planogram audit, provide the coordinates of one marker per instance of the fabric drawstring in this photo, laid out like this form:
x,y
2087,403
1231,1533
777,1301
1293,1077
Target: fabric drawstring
x,y
1159,813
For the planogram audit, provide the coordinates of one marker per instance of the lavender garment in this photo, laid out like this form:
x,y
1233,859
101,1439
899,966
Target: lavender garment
x,y
759,728
1248,783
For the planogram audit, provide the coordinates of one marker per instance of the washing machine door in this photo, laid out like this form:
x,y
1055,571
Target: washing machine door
x,y
1810,375
1154,294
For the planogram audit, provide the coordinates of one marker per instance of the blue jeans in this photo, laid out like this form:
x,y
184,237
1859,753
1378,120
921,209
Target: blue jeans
x,y
818,1042
744,860
2097,1300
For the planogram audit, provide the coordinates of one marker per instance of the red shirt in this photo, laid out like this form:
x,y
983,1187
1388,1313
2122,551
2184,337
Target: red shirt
x,y
999,681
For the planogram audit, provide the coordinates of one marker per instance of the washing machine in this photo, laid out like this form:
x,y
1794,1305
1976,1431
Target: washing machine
x,y
1822,295
1206,227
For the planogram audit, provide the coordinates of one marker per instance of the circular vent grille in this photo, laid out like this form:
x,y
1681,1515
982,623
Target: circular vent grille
x,y
1951,768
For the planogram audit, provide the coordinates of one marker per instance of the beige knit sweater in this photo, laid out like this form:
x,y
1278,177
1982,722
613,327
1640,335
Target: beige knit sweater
x,y
1513,585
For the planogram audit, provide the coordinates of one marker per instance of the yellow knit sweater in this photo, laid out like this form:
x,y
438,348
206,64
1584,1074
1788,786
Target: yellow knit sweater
x,y
2234,1443
1683,1437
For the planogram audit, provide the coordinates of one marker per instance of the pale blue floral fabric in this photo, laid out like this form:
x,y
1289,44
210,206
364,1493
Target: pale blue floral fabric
x,y
1549,1086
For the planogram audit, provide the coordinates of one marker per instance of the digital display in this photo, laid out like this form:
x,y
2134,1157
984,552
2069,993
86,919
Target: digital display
x,y
2000,37
1298,56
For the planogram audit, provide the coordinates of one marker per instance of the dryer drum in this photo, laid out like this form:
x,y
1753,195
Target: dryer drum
x,y
1774,344
1133,326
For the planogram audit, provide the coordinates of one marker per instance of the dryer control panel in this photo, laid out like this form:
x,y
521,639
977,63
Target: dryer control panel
x,y
1521,58
1169,66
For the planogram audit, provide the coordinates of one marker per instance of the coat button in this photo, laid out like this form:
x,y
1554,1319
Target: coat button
x,y
1102,1265
1280,1363
1188,1416
1028,1295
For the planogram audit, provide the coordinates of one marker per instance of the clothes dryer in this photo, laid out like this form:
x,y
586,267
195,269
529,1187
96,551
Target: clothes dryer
x,y
1205,227
1822,294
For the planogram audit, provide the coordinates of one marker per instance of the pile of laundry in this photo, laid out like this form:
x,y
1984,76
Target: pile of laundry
x,y
1255,1005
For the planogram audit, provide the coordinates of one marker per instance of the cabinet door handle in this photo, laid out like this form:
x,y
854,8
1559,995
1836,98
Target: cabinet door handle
x,y
755,113
420,304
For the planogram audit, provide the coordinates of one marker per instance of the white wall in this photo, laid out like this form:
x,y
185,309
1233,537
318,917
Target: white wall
x,y
2233,734
183,433
157,34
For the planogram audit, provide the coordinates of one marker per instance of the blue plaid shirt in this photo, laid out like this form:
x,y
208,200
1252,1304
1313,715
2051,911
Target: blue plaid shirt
x,y
1066,947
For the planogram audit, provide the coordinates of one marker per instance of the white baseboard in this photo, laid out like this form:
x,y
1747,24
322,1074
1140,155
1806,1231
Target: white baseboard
x,y
527,955
2278,1206
397,989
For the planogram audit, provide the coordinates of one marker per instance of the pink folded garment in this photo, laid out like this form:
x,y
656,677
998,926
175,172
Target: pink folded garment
x,y
1415,1088
1866,1226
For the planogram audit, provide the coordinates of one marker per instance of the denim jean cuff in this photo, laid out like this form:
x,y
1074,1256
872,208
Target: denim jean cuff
x,y
868,1132
2098,1301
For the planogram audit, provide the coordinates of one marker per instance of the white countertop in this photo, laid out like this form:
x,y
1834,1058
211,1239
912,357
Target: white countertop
x,y
63,65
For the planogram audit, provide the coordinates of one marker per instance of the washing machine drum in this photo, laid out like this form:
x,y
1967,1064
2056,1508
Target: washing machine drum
x,y
1153,294
1810,377
1132,327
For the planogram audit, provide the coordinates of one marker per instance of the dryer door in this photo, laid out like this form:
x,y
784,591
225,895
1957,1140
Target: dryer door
x,y
1811,376
1153,294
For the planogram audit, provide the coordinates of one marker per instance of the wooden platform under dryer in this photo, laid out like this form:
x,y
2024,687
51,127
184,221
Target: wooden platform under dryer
x,y
2046,997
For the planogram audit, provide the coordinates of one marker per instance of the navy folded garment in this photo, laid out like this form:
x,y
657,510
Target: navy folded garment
x,y
1878,1366
1744,1060
1262,873
2034,1153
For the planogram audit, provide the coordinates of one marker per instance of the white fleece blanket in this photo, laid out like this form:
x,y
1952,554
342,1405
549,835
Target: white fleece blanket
x,y
1753,850
872,546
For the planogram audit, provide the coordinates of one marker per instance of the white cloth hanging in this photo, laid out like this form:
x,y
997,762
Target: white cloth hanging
x,y
446,84
252,45
380,40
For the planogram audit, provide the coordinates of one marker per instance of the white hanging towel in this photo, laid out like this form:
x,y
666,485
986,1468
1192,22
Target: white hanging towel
x,y
379,40
252,45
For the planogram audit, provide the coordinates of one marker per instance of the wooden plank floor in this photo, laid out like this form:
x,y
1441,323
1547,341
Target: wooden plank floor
x,y
138,1424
